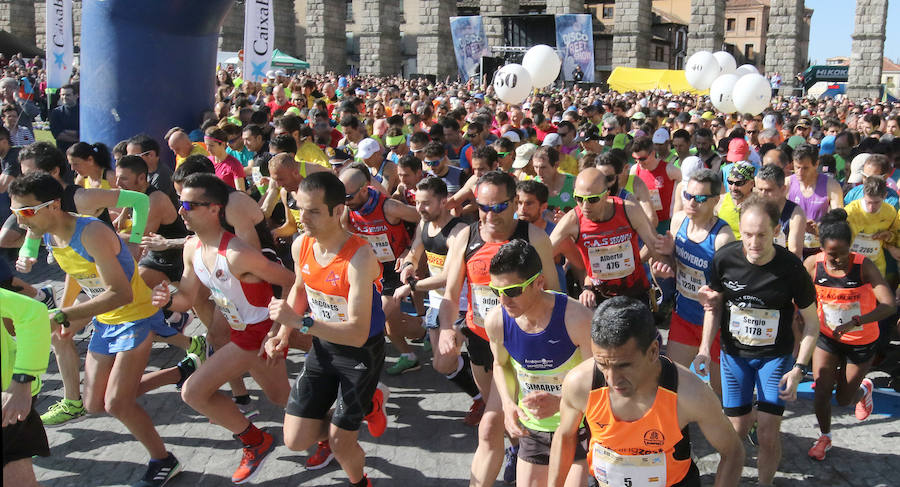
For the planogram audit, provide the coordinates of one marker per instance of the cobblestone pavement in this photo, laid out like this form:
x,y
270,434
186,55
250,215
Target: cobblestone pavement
x,y
426,443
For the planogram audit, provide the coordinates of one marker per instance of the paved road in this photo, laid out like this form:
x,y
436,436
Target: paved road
x,y
426,443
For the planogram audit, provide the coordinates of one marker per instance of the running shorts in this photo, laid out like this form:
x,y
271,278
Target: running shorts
x,y
687,333
741,375
122,337
25,439
534,448
855,354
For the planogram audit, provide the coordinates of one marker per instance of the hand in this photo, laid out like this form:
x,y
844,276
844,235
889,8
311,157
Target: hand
x,y
588,298
273,349
152,241
708,298
160,297
406,273
665,244
447,343
402,292
16,403
840,330
883,235
557,215
542,404
23,264
69,332
787,386
812,227
281,312
512,417
701,364
661,269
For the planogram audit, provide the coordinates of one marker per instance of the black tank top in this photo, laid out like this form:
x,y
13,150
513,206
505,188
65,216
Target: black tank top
x,y
176,229
67,203
438,243
785,218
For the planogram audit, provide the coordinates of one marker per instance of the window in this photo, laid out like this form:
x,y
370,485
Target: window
x,y
751,24
748,51
608,11
349,18
729,24
659,55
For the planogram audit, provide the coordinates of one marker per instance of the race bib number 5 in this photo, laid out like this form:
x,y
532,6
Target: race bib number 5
x,y
754,327
614,470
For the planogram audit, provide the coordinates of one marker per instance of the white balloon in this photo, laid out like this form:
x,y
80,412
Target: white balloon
x,y
542,63
746,69
701,69
512,83
726,61
720,93
752,93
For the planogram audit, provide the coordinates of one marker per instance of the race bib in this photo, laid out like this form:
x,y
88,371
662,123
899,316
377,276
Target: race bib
x,y
754,327
836,314
435,266
614,470
811,240
483,301
228,309
92,286
866,245
655,199
326,307
689,281
382,247
781,238
529,382
613,261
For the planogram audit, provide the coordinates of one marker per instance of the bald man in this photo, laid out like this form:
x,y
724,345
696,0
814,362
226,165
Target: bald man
x,y
605,230
181,145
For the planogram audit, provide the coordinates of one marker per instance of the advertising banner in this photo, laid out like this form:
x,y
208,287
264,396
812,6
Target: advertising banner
x,y
259,39
469,44
575,44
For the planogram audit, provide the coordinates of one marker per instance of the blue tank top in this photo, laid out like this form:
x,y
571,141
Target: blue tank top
x,y
693,262
560,272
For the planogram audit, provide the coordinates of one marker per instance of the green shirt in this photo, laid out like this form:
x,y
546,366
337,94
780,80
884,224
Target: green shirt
x,y
29,351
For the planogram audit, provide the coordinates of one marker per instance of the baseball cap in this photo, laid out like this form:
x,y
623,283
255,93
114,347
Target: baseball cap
x,y
803,122
480,96
552,140
683,117
769,121
639,116
708,116
523,155
742,169
827,145
367,147
689,166
270,74
337,156
620,141
588,132
737,150
856,167
795,140
661,136
514,136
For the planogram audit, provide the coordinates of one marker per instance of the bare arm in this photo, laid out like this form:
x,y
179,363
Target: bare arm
x,y
541,242
575,389
290,226
642,194
835,194
396,211
504,374
244,260
455,270
796,229
243,214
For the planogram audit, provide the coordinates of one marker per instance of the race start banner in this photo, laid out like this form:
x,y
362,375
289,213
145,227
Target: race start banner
x,y
60,49
259,39
469,44
575,44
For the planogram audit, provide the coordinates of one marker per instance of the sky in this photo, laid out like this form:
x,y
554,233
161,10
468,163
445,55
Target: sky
x,y
832,26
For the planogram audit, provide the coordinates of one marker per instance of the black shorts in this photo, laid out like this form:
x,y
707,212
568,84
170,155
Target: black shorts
x,y
855,354
169,262
338,372
390,279
479,349
535,448
25,439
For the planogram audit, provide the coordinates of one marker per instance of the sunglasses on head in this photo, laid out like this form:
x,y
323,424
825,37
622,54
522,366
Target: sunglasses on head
x,y
738,183
193,205
590,198
514,290
30,211
498,208
699,198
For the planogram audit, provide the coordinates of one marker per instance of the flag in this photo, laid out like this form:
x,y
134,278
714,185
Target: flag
x,y
259,38
60,52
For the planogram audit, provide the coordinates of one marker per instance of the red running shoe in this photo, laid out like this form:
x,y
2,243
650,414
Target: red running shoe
x,y
822,445
865,405
321,458
377,419
253,459
473,417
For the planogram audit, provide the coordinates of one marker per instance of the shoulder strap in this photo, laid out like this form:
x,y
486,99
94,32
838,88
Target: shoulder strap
x,y
223,244
668,376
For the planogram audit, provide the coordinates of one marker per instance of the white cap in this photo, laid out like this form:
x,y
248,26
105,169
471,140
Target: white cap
x,y
270,74
280,72
661,136
367,147
856,168
689,166
769,121
512,136
523,155
552,140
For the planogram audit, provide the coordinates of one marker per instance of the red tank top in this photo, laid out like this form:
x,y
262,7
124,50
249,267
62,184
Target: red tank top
x,y
653,450
389,240
611,253
842,298
478,264
661,187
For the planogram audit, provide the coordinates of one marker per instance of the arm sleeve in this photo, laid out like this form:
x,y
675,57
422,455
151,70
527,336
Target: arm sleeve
x,y
32,326
140,204
30,248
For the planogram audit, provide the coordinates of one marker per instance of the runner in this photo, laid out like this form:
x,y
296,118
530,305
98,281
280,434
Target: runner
x,y
436,163
638,405
240,280
348,332
561,185
875,224
813,191
285,172
740,187
468,260
532,197
852,297
119,309
536,338
769,183
659,175
624,185
759,284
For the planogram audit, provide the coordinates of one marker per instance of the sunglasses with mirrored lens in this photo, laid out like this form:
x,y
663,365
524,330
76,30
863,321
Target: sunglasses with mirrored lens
x,y
193,205
498,208
590,198
432,163
514,290
502,154
738,183
699,198
30,211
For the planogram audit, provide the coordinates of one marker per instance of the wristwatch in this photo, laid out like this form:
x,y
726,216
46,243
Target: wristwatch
x,y
23,378
803,368
412,284
60,318
306,323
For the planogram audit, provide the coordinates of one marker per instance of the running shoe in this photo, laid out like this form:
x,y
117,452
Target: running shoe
x,y
403,366
509,464
49,298
865,405
183,320
473,417
822,445
247,406
253,459
160,472
198,347
376,420
426,347
188,365
63,411
321,458
752,437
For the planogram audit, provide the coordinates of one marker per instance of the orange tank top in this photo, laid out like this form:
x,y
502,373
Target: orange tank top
x,y
839,299
652,451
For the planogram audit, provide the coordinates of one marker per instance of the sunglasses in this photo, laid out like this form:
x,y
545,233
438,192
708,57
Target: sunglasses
x,y
193,205
738,183
502,154
234,140
349,196
751,132
513,291
432,163
469,135
416,151
640,159
498,208
29,211
590,198
699,198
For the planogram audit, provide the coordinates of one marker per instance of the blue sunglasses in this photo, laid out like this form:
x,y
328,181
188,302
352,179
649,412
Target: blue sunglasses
x,y
498,208
699,198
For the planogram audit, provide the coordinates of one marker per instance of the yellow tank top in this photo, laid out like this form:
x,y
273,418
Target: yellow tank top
x,y
88,183
729,213
76,262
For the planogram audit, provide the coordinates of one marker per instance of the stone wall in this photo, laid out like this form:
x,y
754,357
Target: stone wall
x,y
379,40
867,49
17,18
558,7
434,49
707,29
783,50
326,36
493,27
631,34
